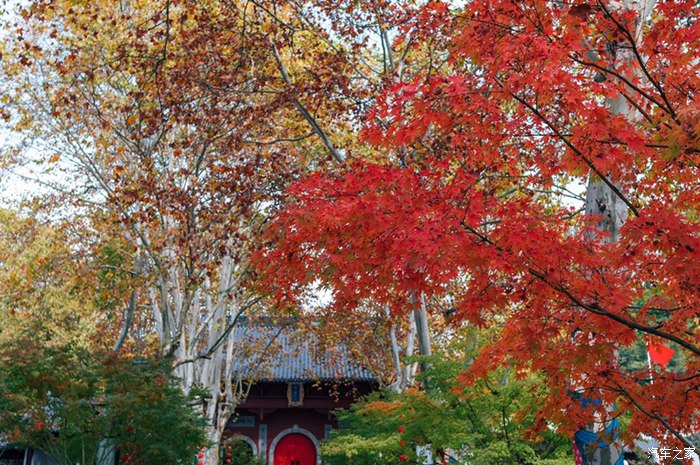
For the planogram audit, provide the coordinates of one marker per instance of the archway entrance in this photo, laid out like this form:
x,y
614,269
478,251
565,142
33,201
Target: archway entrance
x,y
237,451
295,449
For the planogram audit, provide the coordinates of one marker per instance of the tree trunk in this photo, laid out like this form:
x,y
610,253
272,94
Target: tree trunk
x,y
605,203
196,323
420,315
211,456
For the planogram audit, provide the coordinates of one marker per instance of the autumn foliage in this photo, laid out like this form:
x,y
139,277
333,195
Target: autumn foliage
x,y
436,151
66,401
470,203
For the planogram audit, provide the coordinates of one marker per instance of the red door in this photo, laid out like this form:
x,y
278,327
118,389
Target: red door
x,y
295,449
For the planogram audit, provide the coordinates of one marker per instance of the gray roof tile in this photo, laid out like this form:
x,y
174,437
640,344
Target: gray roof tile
x,y
286,353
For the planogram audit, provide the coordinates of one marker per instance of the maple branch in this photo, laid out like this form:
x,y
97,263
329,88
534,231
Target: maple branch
x,y
658,309
639,59
622,78
562,192
687,378
638,107
594,307
598,310
654,416
578,152
339,157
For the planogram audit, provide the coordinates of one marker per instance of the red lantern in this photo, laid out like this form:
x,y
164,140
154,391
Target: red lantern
x,y
403,458
126,458
227,460
403,443
402,428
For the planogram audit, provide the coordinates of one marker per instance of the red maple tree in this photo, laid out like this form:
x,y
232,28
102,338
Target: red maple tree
x,y
535,97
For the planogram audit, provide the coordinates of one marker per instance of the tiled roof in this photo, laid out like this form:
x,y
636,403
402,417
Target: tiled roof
x,y
275,353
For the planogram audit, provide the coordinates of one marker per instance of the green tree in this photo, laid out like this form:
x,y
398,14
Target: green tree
x,y
237,451
63,390
488,423
68,402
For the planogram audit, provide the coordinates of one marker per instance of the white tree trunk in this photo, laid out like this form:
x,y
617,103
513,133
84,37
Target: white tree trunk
x,y
604,202
423,334
195,324
405,372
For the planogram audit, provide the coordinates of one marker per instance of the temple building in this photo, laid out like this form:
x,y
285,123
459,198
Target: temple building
x,y
289,410
289,407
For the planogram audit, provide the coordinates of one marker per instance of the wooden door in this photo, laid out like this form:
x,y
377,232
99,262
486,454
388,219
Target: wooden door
x,y
295,449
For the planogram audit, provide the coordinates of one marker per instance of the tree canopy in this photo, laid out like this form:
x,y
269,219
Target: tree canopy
x,y
538,96
485,424
527,167
75,405
64,389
